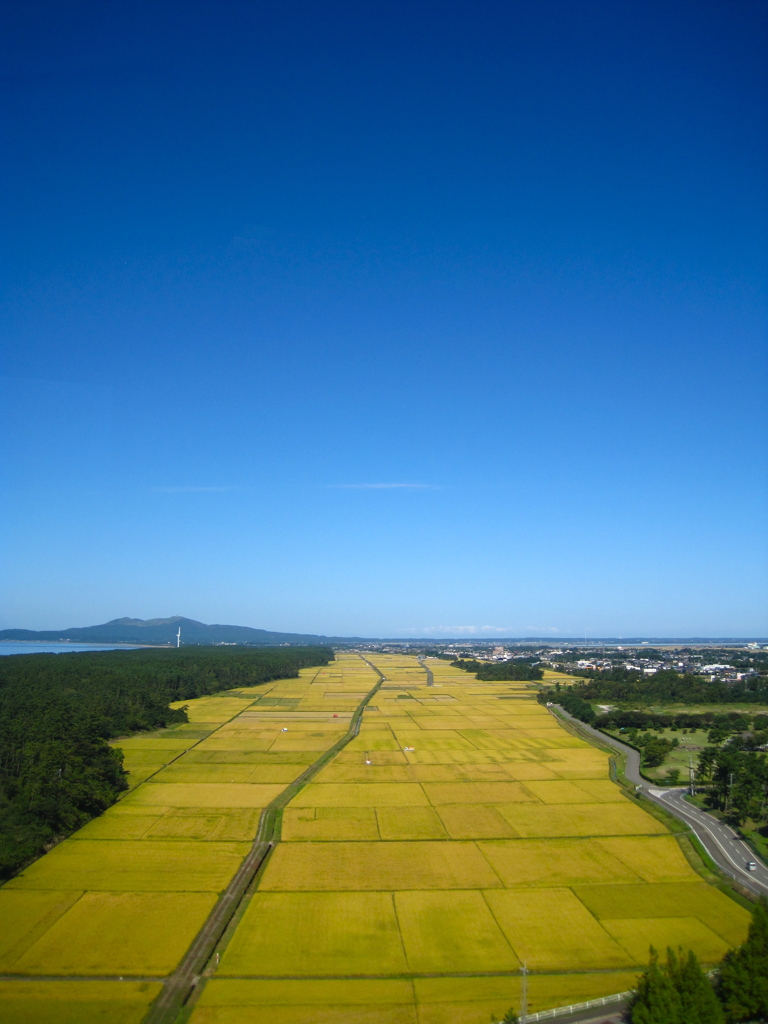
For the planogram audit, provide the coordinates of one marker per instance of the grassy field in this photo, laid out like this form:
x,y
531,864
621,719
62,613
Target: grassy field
x,y
462,832
691,744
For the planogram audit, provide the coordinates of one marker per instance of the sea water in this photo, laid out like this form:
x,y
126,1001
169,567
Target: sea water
x,y
35,647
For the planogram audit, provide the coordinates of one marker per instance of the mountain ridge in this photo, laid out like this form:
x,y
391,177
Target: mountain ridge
x,y
163,631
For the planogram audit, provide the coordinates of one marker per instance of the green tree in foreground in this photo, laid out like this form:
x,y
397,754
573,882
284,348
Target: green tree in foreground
x,y
655,1001
698,1000
677,992
743,983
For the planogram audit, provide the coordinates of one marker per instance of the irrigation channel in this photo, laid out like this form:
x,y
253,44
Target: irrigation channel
x,y
180,985
726,847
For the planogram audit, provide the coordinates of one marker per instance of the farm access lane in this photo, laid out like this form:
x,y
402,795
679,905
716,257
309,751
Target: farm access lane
x,y
427,669
725,846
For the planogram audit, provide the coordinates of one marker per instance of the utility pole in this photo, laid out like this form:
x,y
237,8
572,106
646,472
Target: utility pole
x,y
524,993
730,790
692,775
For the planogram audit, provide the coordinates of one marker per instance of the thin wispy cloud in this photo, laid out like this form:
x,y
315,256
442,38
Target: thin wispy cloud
x,y
480,631
385,487
192,490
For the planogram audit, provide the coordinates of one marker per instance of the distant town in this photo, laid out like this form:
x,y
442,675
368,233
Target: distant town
x,y
729,663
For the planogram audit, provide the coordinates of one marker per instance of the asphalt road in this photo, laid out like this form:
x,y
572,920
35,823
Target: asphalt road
x,y
615,1016
430,677
726,848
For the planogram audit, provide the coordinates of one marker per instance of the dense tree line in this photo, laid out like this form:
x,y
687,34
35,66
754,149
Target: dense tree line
x,y
719,726
742,981
679,992
738,780
654,749
574,704
732,726
57,713
752,659
757,660
675,992
727,722
519,669
667,687
637,725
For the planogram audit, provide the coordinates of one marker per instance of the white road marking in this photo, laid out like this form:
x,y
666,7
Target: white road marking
x,y
706,827
662,796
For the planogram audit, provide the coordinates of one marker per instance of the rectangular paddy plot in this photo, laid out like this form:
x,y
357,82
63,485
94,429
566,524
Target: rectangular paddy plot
x,y
550,862
479,1000
26,916
350,866
223,823
452,932
90,937
142,866
393,1001
329,823
679,900
205,794
552,930
75,1002
636,935
336,933
319,1001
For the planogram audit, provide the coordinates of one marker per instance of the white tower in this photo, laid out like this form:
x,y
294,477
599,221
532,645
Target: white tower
x,y
178,638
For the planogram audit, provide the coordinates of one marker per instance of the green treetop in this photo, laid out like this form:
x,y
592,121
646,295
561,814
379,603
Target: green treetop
x,y
743,984
677,992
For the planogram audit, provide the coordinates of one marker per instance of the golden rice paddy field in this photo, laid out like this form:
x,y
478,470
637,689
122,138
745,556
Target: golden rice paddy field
x,y
125,896
462,833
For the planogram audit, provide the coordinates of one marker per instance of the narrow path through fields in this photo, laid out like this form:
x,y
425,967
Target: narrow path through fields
x,y
180,985
428,670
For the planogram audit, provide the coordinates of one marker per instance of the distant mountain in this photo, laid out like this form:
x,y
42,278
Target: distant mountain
x,y
163,631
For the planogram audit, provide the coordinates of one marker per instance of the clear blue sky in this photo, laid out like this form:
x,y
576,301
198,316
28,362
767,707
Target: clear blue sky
x,y
386,318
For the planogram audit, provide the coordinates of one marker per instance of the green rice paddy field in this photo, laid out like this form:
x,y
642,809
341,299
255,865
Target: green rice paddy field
x,y
462,833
